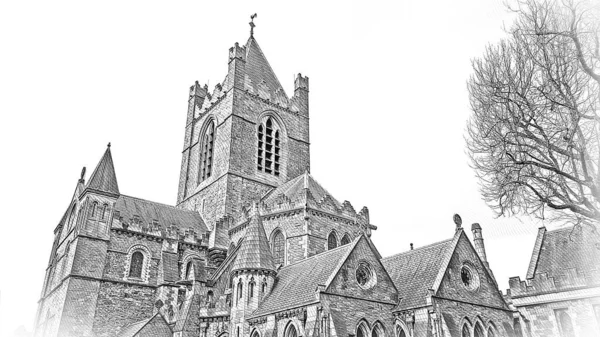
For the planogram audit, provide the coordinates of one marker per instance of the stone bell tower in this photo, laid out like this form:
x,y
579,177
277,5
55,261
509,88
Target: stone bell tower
x,y
244,138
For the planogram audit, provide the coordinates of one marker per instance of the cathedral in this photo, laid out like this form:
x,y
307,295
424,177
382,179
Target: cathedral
x,y
255,246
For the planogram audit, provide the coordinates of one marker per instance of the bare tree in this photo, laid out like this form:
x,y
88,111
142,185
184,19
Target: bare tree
x,y
534,136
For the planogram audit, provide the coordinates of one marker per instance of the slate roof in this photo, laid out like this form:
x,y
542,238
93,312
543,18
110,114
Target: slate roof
x,y
293,189
135,328
104,178
258,68
165,214
255,252
296,284
414,272
561,249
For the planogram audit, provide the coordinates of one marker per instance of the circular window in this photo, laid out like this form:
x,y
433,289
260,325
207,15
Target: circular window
x,y
365,276
469,277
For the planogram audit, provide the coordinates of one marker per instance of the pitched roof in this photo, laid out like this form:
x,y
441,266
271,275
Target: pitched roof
x,y
104,178
255,252
295,188
296,284
558,250
144,328
165,215
258,68
414,272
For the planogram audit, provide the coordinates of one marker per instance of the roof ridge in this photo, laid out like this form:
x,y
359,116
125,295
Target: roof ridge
x,y
317,255
159,203
418,249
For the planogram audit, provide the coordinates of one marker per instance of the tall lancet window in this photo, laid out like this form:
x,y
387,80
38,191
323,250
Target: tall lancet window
x,y
269,147
206,151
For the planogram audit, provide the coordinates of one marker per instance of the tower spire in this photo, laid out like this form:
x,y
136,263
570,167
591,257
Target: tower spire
x,y
103,178
252,25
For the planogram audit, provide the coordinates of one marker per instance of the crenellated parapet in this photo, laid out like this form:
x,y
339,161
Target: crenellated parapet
x,y
543,283
158,230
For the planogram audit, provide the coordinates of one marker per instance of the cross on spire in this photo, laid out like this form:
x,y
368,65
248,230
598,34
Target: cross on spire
x,y
252,25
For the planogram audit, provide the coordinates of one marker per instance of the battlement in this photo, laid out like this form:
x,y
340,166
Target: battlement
x,y
301,82
237,52
154,228
542,283
197,90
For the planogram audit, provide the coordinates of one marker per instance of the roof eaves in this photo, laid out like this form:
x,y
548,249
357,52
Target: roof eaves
x,y
446,260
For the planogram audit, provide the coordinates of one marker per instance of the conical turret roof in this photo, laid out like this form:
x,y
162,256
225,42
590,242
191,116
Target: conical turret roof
x,y
103,178
254,252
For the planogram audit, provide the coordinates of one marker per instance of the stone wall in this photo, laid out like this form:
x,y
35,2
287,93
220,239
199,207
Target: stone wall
x,y
543,320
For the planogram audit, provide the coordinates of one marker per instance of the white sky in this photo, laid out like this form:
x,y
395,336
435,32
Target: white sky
x,y
388,111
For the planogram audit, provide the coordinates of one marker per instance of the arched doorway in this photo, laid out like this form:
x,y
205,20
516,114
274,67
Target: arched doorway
x,y
291,331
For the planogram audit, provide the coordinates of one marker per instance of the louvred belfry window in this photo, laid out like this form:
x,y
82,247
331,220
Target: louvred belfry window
x,y
269,147
206,151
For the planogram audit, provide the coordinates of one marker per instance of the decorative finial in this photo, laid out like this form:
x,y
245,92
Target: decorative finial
x,y
457,221
108,145
82,174
252,25
411,246
307,168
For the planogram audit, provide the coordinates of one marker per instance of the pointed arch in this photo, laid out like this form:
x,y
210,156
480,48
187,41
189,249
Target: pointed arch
x,y
255,333
332,241
465,330
270,156
290,330
346,239
188,268
478,330
401,330
378,330
240,292
207,142
362,329
278,246
93,208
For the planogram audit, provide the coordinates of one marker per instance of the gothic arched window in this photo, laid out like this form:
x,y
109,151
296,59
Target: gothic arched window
x,y
345,239
269,147
103,212
361,330
377,330
465,331
240,289
206,151
251,289
331,240
565,324
491,332
188,268
278,248
210,298
400,332
291,331
136,265
93,207
479,330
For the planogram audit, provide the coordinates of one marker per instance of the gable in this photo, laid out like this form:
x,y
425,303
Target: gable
x,y
483,291
345,282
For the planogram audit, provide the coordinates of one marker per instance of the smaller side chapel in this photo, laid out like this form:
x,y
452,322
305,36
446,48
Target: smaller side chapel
x,y
254,246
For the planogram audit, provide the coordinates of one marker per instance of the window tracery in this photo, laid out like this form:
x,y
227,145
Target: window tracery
x,y
206,151
278,248
269,147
